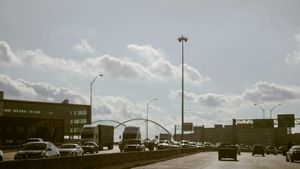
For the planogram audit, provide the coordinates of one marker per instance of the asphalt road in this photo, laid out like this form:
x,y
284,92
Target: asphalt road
x,y
209,160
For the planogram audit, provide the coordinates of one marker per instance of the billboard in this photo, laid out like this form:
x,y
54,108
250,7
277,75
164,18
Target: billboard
x,y
187,126
286,120
263,123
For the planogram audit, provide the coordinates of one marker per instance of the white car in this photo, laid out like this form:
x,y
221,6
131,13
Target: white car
x,y
71,150
37,150
1,155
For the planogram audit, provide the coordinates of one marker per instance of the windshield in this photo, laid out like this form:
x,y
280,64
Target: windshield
x,y
68,146
34,146
133,142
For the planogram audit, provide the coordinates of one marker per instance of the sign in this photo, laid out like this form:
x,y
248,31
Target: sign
x,y
286,120
187,126
263,123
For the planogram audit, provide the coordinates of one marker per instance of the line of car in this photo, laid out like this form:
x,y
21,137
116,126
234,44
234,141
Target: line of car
x,y
38,148
227,150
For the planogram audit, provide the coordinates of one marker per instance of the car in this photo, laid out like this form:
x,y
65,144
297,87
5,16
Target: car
x,y
37,150
227,150
175,144
70,150
258,149
34,140
133,145
185,144
90,147
1,155
293,153
163,145
193,144
271,150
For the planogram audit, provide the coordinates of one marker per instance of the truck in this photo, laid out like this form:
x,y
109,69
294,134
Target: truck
x,y
227,150
129,133
102,135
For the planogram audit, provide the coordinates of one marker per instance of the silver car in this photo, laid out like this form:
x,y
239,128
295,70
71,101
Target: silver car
x,y
70,150
37,150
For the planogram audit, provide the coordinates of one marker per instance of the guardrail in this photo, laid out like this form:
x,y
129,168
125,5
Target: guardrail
x,y
103,161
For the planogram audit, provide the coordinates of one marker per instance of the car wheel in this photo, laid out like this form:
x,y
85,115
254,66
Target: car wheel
x,y
286,159
292,159
219,158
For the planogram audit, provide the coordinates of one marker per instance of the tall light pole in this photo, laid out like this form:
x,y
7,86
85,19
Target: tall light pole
x,y
182,39
147,115
263,110
91,91
271,110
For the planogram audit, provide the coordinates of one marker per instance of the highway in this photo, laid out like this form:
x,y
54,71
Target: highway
x,y
209,160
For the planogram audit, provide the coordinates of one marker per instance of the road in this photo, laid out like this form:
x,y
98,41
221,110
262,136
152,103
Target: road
x,y
209,160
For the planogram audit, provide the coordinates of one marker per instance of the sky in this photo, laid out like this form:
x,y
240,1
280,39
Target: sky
x,y
238,53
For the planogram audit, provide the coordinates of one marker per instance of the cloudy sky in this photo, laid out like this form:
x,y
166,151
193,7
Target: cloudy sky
x,y
238,53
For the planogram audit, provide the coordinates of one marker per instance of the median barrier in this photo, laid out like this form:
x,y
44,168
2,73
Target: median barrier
x,y
101,161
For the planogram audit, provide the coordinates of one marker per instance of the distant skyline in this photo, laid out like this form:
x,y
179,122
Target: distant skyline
x,y
238,53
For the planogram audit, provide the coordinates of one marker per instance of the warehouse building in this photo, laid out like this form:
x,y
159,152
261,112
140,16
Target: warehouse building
x,y
20,119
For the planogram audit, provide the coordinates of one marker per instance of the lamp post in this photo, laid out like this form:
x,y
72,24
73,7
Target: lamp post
x,y
147,115
182,39
263,110
271,110
91,90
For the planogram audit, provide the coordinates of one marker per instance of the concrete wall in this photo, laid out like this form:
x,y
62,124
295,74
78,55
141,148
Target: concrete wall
x,y
103,161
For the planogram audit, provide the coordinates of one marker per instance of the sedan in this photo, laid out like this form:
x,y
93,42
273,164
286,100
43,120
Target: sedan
x,y
163,144
133,145
71,150
293,153
37,150
90,147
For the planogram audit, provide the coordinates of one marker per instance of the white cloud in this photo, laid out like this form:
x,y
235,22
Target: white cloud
x,y
294,57
7,57
262,92
112,67
83,47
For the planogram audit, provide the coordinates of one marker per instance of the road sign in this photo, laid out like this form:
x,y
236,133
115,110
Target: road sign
x,y
286,120
188,127
263,123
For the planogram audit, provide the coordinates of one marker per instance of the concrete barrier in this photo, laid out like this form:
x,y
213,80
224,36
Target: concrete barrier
x,y
103,161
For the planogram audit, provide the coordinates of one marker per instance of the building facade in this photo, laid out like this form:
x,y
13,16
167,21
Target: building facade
x,y
74,116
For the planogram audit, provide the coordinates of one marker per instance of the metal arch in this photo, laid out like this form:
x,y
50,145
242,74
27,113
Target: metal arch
x,y
123,123
119,123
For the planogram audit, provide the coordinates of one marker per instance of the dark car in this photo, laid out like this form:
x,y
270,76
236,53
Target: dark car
x,y
227,150
271,150
133,145
258,149
89,147
293,153
37,150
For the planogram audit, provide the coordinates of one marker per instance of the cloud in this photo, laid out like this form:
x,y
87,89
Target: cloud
x,y
83,47
294,57
117,108
262,92
271,92
7,57
113,67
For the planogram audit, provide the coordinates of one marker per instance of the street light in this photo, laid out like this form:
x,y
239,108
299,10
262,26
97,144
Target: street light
x,y
271,110
91,90
182,39
147,115
263,110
